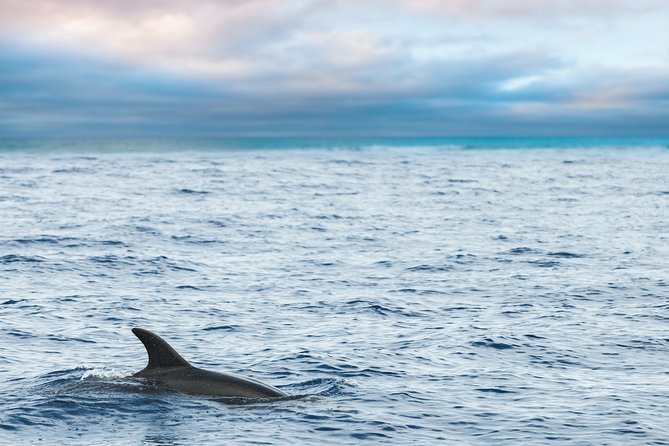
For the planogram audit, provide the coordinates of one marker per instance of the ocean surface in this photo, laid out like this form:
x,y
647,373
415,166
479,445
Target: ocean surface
x,y
427,291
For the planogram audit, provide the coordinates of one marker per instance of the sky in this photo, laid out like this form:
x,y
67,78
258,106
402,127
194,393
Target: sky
x,y
163,68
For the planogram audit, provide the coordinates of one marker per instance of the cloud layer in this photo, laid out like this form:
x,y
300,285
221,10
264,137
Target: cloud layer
x,y
259,67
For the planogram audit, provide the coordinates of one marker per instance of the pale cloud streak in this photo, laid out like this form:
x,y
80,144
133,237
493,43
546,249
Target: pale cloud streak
x,y
206,38
543,9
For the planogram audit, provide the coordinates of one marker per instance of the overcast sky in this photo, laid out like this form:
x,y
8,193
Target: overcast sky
x,y
334,67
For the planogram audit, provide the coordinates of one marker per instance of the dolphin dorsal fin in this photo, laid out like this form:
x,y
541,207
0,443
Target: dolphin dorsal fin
x,y
161,354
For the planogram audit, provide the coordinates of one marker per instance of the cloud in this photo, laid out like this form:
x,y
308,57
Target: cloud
x,y
88,96
207,38
205,67
551,9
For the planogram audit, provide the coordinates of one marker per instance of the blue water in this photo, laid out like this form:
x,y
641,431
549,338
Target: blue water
x,y
419,292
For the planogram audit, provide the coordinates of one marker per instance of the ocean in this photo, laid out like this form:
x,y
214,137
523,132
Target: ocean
x,y
415,291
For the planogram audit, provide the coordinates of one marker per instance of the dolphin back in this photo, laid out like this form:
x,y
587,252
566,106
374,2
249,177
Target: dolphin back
x,y
161,354
168,368
205,382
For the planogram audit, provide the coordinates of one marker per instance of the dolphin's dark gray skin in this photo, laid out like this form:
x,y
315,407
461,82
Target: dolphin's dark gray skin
x,y
166,367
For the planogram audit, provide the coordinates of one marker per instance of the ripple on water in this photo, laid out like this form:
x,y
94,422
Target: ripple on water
x,y
424,296
12,258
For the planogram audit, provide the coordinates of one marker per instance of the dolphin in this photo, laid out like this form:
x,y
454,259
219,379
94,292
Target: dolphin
x,y
167,368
